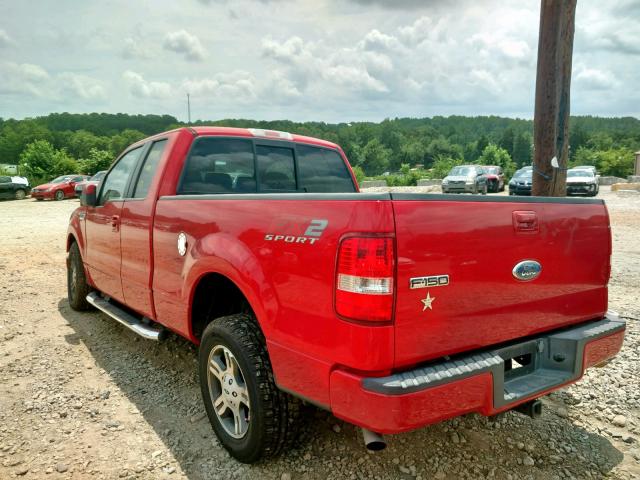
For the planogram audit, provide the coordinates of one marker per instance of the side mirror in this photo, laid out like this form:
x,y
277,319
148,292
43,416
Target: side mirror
x,y
89,196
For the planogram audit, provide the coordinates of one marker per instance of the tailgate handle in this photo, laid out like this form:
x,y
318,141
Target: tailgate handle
x,y
525,221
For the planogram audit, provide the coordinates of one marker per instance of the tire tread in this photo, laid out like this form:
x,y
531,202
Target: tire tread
x,y
280,410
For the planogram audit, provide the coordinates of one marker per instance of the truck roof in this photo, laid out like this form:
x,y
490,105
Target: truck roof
x,y
259,132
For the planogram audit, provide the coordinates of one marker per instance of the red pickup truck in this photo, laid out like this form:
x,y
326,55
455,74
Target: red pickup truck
x,y
393,311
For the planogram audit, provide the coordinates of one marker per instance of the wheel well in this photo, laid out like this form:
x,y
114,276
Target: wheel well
x,y
70,241
215,296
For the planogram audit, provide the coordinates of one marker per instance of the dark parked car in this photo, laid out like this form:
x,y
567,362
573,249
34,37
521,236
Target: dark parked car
x,y
520,183
14,187
465,179
495,178
95,180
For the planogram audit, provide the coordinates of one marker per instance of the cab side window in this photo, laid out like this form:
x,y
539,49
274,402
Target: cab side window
x,y
149,169
115,183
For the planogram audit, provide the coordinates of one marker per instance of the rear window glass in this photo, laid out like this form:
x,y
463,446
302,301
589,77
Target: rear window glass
x,y
323,171
219,165
276,169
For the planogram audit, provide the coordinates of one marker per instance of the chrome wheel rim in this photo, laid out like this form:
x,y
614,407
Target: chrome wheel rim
x,y
20,194
228,391
73,277
59,195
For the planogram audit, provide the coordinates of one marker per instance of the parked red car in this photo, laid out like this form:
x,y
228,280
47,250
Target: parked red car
x,y
390,310
495,178
58,188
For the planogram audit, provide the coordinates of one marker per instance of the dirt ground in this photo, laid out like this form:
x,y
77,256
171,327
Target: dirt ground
x,y
83,397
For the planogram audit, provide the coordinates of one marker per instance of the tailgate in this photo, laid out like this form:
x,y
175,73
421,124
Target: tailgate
x,y
477,242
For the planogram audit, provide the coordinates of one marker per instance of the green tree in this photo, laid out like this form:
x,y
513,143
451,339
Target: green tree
x,y
359,173
508,140
443,165
481,145
583,156
441,147
522,149
494,155
96,160
413,152
40,160
375,157
81,142
122,140
617,162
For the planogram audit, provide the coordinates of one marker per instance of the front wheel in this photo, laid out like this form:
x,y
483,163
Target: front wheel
x,y
59,195
251,417
77,286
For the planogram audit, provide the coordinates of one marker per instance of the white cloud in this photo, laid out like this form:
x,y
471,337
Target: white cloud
x,y
139,87
594,79
326,60
85,87
184,43
135,50
5,39
23,78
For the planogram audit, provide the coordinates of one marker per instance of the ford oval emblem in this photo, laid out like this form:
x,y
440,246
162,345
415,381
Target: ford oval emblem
x,y
527,270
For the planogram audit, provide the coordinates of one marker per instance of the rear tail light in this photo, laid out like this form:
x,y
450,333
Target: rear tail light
x,y
364,284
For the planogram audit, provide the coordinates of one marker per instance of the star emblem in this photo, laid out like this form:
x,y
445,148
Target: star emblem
x,y
427,302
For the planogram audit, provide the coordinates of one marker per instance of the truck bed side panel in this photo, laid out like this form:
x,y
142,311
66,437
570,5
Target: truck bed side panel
x,y
262,243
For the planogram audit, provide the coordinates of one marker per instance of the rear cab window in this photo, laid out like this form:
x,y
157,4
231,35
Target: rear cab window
x,y
218,165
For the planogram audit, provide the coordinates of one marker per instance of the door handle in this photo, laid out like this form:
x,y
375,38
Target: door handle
x,y
525,221
115,223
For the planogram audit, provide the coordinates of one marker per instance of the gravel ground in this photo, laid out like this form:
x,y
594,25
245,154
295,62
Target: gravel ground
x,y
83,397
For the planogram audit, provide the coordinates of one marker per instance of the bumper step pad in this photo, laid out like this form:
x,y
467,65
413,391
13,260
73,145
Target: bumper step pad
x,y
553,360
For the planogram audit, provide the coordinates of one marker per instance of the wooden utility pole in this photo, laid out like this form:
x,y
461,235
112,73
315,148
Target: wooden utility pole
x,y
553,86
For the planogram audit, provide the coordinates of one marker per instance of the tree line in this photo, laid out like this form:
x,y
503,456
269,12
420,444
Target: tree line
x,y
62,143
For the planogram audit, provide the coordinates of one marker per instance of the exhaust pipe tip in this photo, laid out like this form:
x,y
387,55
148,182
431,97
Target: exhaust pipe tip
x,y
373,441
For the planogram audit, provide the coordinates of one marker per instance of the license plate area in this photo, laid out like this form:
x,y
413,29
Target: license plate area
x,y
530,367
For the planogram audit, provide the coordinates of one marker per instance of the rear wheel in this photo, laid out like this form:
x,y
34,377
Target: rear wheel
x,y
77,286
20,194
59,195
251,417
485,189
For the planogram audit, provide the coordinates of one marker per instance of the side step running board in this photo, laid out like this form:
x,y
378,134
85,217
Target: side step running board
x,y
150,332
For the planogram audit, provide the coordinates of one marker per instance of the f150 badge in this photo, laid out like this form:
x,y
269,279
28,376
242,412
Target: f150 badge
x,y
428,282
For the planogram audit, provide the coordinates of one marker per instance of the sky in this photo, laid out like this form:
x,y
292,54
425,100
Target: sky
x,y
319,60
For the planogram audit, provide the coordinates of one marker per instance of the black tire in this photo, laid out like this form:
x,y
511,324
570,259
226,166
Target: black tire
x,y
77,286
273,423
485,189
20,194
59,195
39,199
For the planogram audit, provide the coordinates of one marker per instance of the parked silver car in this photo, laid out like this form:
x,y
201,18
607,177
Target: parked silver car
x,y
582,181
465,179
